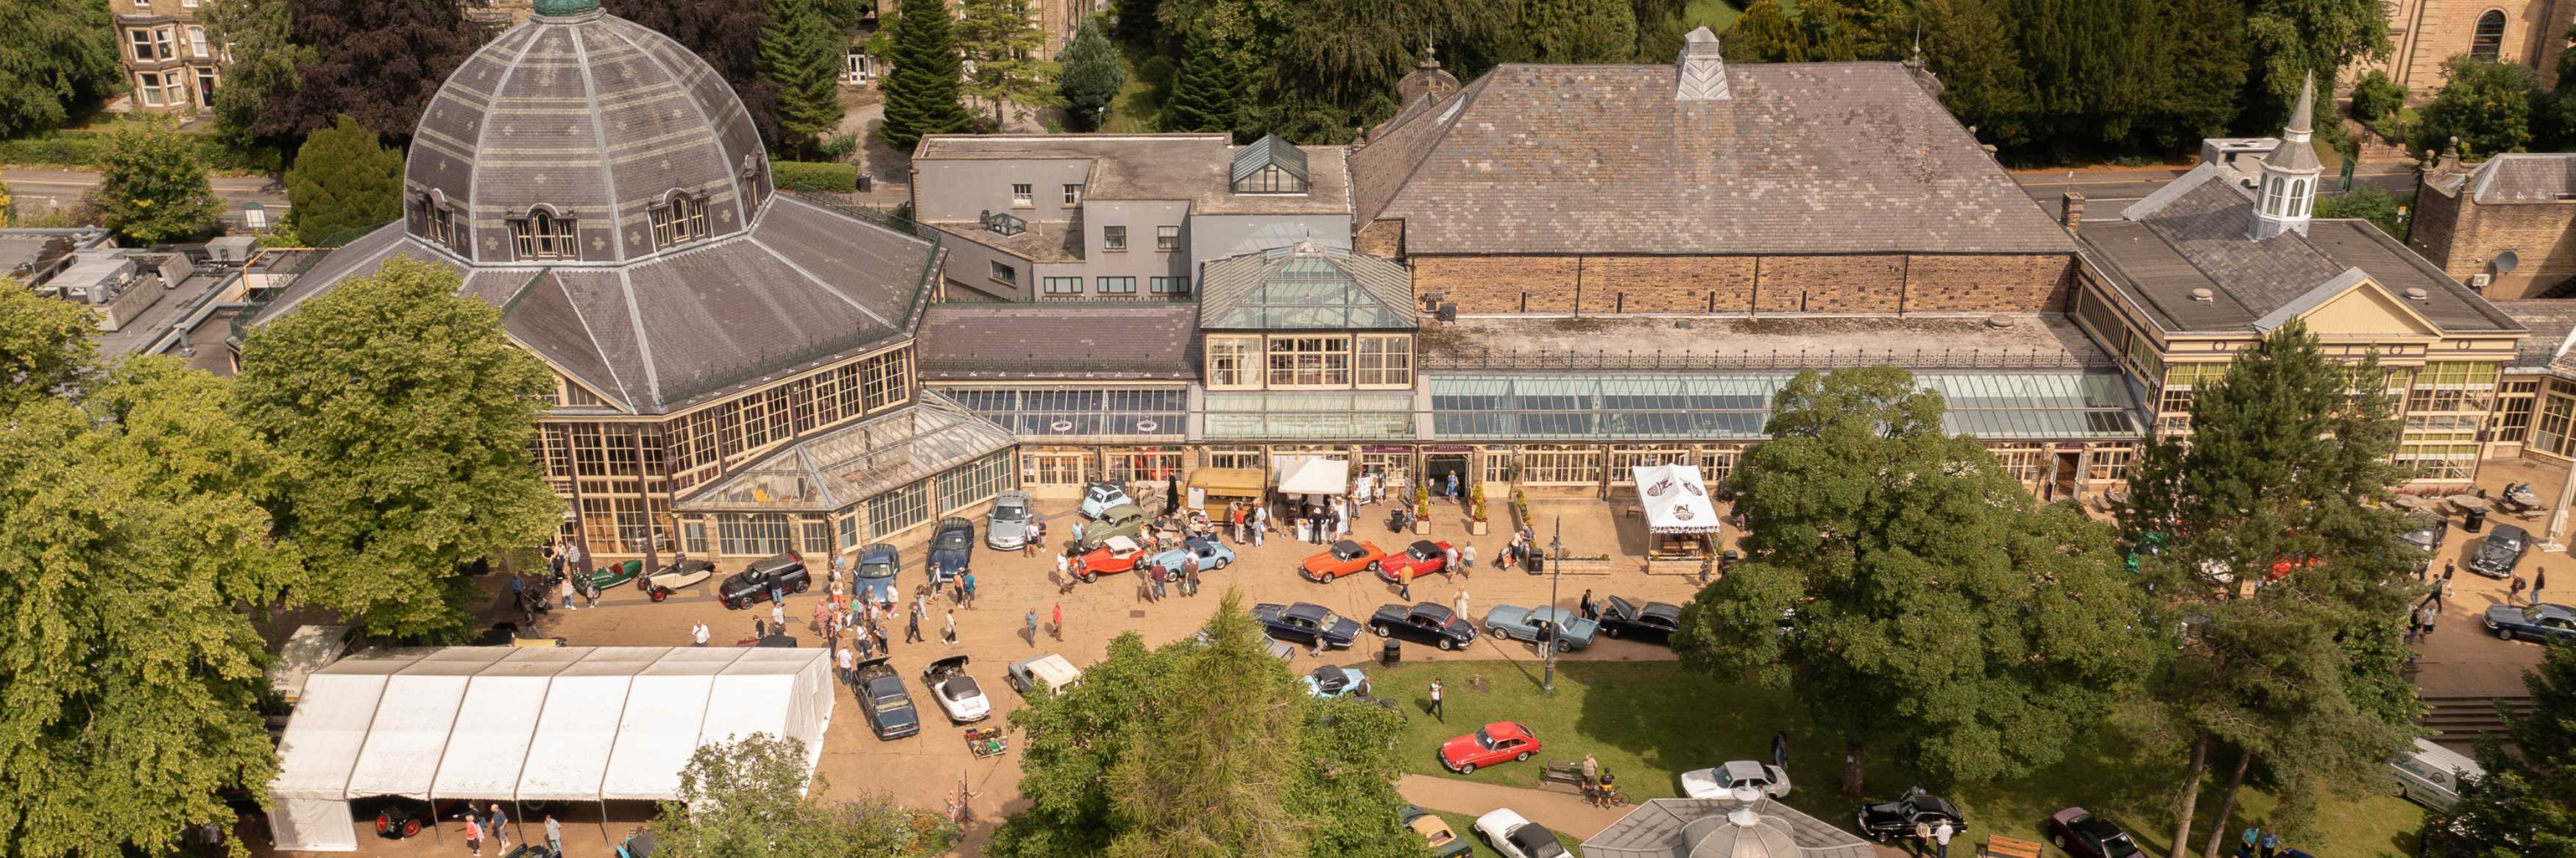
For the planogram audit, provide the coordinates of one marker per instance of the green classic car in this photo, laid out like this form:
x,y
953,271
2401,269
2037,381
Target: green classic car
x,y
605,577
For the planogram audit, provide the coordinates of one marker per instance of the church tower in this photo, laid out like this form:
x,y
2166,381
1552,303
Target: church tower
x,y
2288,189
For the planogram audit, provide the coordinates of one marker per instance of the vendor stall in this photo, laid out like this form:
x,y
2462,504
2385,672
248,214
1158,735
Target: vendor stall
x,y
1314,475
1212,488
1681,519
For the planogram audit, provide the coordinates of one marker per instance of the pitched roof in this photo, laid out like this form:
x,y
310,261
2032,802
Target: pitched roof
x,y
2525,177
1197,168
993,342
1305,287
2553,329
1801,158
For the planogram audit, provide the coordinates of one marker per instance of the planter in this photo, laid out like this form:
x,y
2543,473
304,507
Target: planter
x,y
1476,527
1421,528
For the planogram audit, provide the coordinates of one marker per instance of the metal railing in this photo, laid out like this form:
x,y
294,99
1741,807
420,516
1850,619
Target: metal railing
x,y
1776,359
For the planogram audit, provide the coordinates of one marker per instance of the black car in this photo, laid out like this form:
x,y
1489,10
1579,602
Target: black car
x,y
881,695
2084,835
1423,622
1306,623
1891,819
952,548
1652,624
751,586
2500,551
2428,537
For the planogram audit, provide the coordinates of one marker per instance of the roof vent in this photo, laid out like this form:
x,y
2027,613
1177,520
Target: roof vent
x,y
1999,320
2417,293
1702,69
2203,294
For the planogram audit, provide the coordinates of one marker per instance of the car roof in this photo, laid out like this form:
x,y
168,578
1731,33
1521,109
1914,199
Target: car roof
x,y
876,551
1662,609
1307,610
1120,544
2507,531
1200,542
1745,770
1426,546
1503,729
2098,827
953,522
1433,609
1340,545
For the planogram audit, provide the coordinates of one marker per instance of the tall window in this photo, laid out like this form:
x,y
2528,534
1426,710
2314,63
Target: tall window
x,y
1118,285
752,535
1386,360
148,87
2272,196
197,42
2551,435
1229,361
543,235
897,510
2298,192
1073,195
438,222
1167,238
1310,362
2488,43
681,218
1113,238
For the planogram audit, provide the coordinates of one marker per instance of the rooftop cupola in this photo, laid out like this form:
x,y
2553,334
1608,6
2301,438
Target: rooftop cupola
x,y
1703,71
2288,190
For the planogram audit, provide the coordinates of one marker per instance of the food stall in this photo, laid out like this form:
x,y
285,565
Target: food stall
x,y
1681,519
1212,488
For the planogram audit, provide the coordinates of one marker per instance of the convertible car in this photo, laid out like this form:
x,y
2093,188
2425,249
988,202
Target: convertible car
x,y
1561,627
1343,558
1119,554
1422,622
684,573
1329,682
1444,842
1424,557
1306,623
957,693
614,574
1891,819
1211,554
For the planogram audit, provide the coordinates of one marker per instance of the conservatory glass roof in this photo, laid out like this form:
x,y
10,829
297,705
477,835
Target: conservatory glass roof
x,y
1735,406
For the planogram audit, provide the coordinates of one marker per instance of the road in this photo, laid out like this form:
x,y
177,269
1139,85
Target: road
x,y
34,188
2119,188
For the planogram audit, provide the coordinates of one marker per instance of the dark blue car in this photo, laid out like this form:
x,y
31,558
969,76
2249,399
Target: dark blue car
x,y
877,566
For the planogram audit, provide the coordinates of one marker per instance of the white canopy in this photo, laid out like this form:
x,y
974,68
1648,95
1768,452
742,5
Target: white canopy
x,y
1675,499
504,723
1315,475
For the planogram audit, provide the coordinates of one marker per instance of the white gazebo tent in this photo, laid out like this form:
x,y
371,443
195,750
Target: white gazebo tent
x,y
465,722
1315,475
1678,509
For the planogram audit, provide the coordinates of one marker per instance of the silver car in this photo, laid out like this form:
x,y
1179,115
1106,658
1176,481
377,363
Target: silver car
x,y
1007,527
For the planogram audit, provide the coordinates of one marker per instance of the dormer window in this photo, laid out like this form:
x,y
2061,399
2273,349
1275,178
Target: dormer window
x,y
680,219
437,221
544,234
1270,166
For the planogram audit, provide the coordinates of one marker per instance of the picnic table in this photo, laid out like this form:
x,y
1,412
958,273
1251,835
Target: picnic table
x,y
2006,847
2469,503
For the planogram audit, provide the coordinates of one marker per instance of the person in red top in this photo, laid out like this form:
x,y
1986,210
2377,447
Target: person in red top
x,y
1056,626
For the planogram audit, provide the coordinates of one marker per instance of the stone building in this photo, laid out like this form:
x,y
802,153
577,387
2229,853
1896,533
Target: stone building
x,y
2426,33
170,64
2507,227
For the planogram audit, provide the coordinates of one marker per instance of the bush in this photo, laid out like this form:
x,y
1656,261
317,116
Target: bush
x,y
812,177
78,148
2376,98
839,146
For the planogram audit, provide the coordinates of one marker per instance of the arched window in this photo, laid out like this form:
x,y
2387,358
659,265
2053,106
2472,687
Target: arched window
x,y
2272,196
2488,43
544,234
438,222
679,219
2298,198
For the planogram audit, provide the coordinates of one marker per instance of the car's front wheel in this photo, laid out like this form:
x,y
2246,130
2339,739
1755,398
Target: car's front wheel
x,y
732,605
1383,630
2503,633
2058,839
1372,566
1612,632
801,585
1563,646
1084,577
1466,768
1447,644
660,594
1521,757
1497,631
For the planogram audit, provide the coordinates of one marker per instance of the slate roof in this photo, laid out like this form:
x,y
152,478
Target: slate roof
x,y
1802,158
999,342
2192,234
2553,328
1656,830
1305,287
2524,177
1196,168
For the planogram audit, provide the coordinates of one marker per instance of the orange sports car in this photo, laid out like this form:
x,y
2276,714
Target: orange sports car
x,y
1119,554
1343,558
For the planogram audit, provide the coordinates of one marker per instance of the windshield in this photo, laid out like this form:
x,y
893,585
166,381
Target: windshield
x,y
888,700
1484,740
1010,512
960,688
876,569
2118,846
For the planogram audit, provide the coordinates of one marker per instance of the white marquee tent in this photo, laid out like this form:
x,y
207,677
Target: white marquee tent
x,y
1314,475
1675,499
461,722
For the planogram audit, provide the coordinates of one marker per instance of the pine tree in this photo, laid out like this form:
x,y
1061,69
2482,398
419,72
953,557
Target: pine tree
x,y
922,90
152,186
800,57
1966,44
1090,77
1577,31
1207,96
1002,39
1765,33
343,179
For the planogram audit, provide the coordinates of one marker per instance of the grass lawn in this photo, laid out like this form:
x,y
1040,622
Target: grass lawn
x,y
1649,721
1132,112
1466,827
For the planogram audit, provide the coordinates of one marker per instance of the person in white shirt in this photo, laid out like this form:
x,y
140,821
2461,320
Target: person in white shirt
x,y
698,633
842,658
1941,836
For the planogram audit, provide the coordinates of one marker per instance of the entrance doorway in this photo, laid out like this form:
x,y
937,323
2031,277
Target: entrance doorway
x,y
1437,468
2065,479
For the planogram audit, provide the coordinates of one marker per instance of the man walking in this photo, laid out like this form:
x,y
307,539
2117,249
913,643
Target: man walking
x,y
1260,523
951,634
1159,574
500,829
2424,616
567,593
1190,576
1589,611
845,660
966,585
1436,711
1462,603
698,634
1941,838
554,836
1466,564
1404,583
912,626
2539,579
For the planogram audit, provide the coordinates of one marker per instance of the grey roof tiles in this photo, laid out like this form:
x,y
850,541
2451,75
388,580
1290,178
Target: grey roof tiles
x,y
998,342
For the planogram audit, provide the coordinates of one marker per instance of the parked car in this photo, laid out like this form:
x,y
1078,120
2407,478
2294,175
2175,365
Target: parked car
x,y
1307,623
1211,554
1424,557
879,563
1006,528
2545,622
2502,550
1498,742
1126,520
614,574
957,693
1341,558
1652,623
2428,537
783,572
2084,835
1098,498
1435,831
1516,837
1327,681
1422,622
398,818
688,572
888,706
507,634
2430,774
1721,781
1049,671
1278,649
1890,819
1562,628
1118,554
952,548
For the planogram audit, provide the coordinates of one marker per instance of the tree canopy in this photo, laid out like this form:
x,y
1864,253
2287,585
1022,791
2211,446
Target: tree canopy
x,y
44,344
377,60
343,180
407,418
2525,806
152,186
748,798
1003,40
800,55
2484,103
259,36
922,90
60,56
1091,75
1208,95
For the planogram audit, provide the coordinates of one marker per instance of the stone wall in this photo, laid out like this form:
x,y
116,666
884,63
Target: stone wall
x,y
2425,33
1858,284
2463,236
1380,238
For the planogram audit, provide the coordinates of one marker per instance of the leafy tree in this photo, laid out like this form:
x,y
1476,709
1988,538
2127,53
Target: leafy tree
x,y
132,704
2201,60
2367,202
377,60
2375,97
2289,39
2484,103
2297,676
1314,71
2525,806
1578,31
60,55
1206,97
1091,76
44,345
406,418
1966,43
801,56
342,180
259,37
8,206
748,798
1001,36
1928,587
922,90
152,187
1765,33
725,33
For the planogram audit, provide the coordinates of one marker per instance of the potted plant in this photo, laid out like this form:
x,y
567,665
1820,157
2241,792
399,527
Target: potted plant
x,y
1422,508
1476,525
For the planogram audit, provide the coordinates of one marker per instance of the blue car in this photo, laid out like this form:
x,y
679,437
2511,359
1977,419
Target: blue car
x,y
1329,682
877,566
1212,555
2543,622
1541,626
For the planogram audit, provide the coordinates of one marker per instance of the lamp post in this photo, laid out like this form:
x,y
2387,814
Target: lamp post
x,y
1555,573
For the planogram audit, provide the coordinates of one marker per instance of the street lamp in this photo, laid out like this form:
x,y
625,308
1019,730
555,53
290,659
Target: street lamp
x,y
1555,573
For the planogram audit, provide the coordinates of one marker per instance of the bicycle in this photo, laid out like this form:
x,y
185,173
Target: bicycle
x,y
1599,795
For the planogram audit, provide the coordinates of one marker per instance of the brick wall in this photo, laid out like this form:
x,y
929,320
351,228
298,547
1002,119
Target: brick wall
x,y
1380,238
2425,33
1866,284
2429,233
2539,234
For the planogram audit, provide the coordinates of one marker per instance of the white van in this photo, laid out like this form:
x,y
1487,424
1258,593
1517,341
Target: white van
x,y
2430,774
1051,671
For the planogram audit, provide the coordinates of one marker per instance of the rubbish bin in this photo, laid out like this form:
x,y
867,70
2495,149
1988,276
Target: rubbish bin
x,y
2477,518
1537,564
1391,652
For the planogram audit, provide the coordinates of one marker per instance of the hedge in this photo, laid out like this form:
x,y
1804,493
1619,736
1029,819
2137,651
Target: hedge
x,y
811,177
78,149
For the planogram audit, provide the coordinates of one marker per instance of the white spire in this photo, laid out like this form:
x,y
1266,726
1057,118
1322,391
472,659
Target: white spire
x,y
2287,191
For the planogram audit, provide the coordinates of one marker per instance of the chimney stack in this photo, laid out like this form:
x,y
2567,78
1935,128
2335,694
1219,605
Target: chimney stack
x,y
2070,209
1703,70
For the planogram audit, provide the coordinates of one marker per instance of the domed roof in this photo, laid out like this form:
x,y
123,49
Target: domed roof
x,y
585,117
1741,833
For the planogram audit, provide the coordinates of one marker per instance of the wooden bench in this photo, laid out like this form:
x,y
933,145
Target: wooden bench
x,y
1565,776
2006,847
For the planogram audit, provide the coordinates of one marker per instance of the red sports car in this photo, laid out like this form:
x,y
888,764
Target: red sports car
x,y
1498,742
1424,557
1343,558
1119,554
